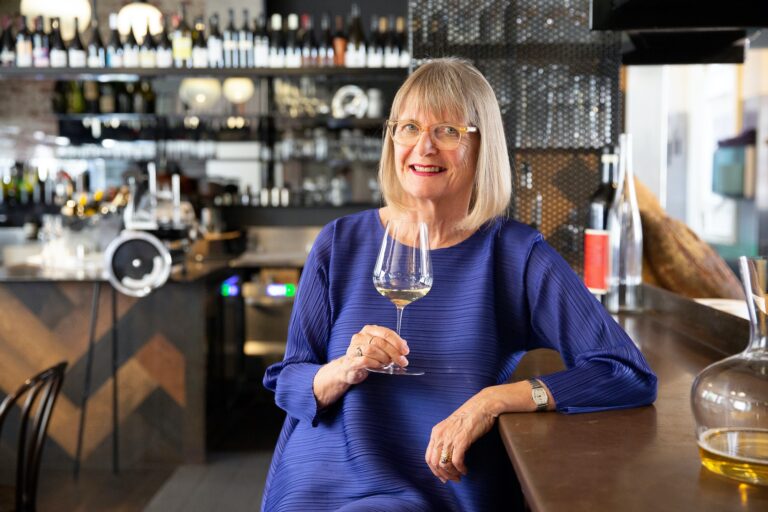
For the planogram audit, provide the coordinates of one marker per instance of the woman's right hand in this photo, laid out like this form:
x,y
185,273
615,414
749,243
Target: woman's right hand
x,y
373,347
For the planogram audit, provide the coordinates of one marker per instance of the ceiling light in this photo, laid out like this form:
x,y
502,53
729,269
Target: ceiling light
x,y
65,11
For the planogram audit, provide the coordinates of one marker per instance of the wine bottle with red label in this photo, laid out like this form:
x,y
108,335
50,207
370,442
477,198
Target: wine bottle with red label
x,y
596,241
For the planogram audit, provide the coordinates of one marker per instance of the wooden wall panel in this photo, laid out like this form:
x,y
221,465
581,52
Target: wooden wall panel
x,y
161,347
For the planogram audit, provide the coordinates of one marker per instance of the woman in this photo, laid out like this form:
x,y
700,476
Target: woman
x,y
355,440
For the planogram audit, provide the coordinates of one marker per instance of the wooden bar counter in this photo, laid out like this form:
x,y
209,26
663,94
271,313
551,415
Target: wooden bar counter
x,y
637,459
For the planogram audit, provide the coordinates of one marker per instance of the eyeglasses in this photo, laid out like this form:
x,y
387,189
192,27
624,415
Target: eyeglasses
x,y
444,136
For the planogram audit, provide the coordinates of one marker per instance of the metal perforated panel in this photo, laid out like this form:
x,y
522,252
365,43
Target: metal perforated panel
x,y
558,88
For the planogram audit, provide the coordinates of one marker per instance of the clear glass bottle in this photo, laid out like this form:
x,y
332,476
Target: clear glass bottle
x,y
730,398
214,43
626,238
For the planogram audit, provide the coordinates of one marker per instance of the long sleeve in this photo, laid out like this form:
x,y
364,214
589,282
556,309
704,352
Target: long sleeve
x,y
605,370
308,333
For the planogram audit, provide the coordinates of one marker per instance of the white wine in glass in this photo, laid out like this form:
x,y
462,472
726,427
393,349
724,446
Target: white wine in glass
x,y
403,273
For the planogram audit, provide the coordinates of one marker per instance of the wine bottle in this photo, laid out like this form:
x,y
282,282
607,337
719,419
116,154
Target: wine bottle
x,y
59,98
626,238
148,51
23,45
339,43
149,99
375,56
596,236
199,45
7,45
356,43
231,50
131,55
164,50
276,42
214,44
124,97
41,46
404,57
91,96
75,99
245,42
97,54
391,49
76,51
115,44
182,42
292,47
138,99
261,43
106,98
325,55
309,47
58,53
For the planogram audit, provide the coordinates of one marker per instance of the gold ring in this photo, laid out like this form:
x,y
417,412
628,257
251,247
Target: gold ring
x,y
445,457
359,351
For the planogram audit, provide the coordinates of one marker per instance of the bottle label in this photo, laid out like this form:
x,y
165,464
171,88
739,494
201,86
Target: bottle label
x,y
42,59
164,58
76,58
199,57
96,58
215,53
596,260
147,58
131,57
7,58
182,48
58,58
115,58
24,54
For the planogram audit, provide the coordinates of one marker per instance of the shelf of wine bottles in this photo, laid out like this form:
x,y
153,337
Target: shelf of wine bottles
x,y
260,47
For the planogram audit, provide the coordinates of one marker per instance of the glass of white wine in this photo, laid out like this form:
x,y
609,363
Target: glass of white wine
x,y
403,273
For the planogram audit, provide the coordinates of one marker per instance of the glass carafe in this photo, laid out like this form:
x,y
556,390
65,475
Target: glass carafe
x,y
730,398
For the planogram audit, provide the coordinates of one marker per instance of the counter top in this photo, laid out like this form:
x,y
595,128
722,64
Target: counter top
x,y
636,459
34,273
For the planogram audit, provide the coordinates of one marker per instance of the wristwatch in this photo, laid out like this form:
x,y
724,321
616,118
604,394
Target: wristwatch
x,y
539,395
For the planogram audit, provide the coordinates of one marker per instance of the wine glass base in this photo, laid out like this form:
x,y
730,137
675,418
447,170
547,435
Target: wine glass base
x,y
396,370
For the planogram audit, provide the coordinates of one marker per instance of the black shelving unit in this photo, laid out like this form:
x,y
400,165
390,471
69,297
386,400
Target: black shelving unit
x,y
134,74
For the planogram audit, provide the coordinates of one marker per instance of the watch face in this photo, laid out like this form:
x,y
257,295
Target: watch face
x,y
539,396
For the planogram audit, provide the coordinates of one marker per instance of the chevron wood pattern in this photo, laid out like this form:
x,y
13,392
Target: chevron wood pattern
x,y
162,345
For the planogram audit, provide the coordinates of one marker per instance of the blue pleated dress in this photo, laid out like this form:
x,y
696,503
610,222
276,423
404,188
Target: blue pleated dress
x,y
499,293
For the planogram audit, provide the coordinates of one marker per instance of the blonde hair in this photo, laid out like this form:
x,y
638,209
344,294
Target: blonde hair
x,y
454,87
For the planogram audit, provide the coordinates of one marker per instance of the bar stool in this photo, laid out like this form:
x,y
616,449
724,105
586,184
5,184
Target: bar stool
x,y
41,392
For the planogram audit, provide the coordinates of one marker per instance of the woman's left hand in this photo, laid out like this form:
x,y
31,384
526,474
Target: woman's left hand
x,y
452,437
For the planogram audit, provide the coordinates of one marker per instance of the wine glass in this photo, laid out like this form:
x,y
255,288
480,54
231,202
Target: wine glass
x,y
403,273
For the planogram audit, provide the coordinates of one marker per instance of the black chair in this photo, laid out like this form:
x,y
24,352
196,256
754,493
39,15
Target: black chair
x,y
41,392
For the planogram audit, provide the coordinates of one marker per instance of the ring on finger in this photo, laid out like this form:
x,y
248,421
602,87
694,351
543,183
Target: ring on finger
x,y
359,351
445,456
370,340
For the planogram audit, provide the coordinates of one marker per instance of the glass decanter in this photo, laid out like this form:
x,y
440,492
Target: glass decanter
x,y
730,398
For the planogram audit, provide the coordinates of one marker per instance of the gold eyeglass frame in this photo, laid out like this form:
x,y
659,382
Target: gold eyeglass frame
x,y
462,131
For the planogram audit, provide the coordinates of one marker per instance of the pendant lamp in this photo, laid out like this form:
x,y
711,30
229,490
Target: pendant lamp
x,y
135,15
66,11
238,90
200,94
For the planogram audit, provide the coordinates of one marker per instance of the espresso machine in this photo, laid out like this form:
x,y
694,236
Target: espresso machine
x,y
158,230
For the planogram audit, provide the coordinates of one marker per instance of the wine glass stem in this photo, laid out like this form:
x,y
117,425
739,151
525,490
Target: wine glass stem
x,y
399,317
